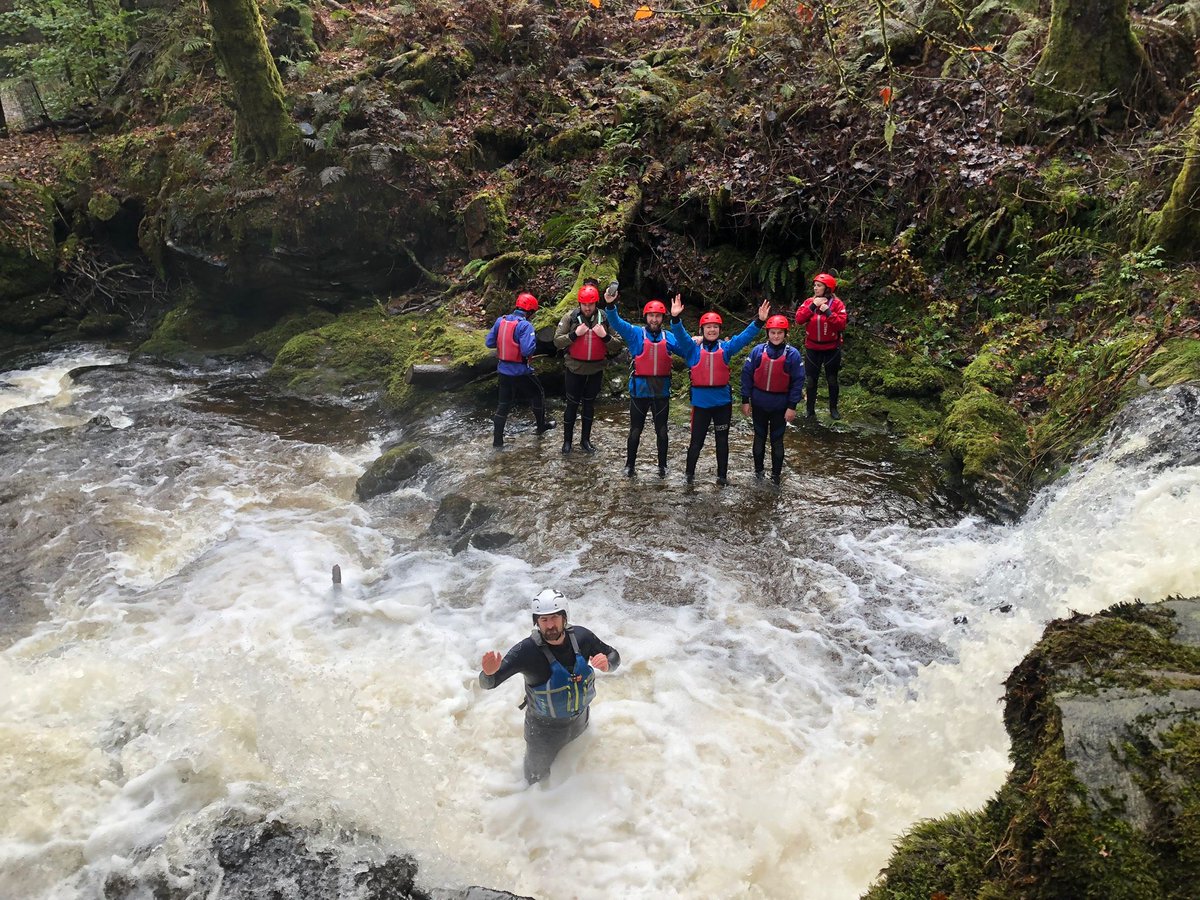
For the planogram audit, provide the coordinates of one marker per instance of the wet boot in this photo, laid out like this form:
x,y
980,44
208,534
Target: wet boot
x,y
585,436
759,451
544,424
693,457
498,431
567,447
834,390
776,468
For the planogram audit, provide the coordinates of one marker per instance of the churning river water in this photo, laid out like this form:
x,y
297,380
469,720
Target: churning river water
x,y
795,692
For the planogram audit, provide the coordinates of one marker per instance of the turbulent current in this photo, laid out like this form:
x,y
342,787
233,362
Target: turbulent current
x,y
806,673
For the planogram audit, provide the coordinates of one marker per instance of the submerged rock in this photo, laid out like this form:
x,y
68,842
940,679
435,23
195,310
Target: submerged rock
x,y
1104,796
462,519
249,857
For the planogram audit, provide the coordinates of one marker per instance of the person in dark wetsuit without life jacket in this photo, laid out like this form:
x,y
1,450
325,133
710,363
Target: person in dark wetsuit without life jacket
x,y
584,335
559,662
514,341
712,401
823,316
772,385
650,379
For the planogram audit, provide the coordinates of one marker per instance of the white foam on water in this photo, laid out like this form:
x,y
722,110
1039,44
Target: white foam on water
x,y
742,749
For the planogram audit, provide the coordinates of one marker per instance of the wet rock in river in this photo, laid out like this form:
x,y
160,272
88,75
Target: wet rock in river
x,y
462,519
391,470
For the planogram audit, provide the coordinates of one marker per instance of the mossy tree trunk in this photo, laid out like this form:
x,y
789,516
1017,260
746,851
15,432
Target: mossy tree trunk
x,y
1090,51
263,130
1177,225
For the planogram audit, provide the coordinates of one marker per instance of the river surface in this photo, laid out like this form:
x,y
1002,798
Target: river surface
x,y
806,672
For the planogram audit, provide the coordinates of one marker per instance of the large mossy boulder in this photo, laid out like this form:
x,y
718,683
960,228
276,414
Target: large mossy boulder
x,y
27,251
987,447
1104,796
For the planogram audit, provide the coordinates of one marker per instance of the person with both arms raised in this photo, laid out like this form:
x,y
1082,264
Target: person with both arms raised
x,y
584,335
650,378
514,341
712,401
772,385
559,662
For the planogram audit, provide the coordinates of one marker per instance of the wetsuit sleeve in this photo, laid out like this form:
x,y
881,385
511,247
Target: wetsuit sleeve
x,y
804,312
515,662
795,367
590,645
563,338
526,337
490,340
748,375
837,315
736,345
687,349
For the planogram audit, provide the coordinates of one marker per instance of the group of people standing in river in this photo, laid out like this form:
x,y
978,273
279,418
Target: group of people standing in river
x,y
774,379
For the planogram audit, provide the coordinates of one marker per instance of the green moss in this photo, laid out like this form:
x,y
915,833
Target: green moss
x,y
368,350
947,855
193,330
916,421
984,433
575,142
992,371
268,343
103,207
603,269
440,69
98,324
485,219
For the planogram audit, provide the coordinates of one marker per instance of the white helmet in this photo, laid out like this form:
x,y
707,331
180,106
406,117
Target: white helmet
x,y
548,602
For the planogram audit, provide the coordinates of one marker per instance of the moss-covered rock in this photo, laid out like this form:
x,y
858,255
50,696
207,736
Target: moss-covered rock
x,y
984,434
485,220
1102,800
98,324
268,343
32,313
102,207
916,421
193,329
575,142
368,351
438,70
391,470
27,251
992,371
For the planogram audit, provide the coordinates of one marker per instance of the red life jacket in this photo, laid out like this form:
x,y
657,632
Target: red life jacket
x,y
507,348
653,361
771,375
587,348
712,370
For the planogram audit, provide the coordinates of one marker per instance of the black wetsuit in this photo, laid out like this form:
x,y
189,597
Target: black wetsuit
x,y
544,737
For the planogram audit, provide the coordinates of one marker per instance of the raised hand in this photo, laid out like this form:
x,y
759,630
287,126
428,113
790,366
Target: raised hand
x,y
491,663
610,293
677,306
599,661
764,310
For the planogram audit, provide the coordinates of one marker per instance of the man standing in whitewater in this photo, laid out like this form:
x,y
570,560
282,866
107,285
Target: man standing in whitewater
x,y
559,662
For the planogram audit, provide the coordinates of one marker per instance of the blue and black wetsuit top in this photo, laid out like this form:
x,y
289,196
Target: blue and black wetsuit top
x,y
559,682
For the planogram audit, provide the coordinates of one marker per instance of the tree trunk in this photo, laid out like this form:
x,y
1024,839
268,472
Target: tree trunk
x,y
3,121
1177,225
446,376
263,131
1091,51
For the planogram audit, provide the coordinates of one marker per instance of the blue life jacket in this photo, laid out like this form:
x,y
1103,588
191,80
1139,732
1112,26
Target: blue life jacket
x,y
566,694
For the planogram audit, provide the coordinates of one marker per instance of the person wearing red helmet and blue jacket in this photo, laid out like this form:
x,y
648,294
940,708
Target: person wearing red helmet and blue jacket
x,y
823,316
708,361
772,385
513,339
559,662
650,375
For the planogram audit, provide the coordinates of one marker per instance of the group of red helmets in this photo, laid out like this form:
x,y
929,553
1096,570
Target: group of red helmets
x,y
589,294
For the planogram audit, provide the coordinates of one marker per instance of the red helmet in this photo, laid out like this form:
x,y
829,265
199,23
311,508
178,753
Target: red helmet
x,y
527,302
589,294
826,279
711,318
654,306
778,322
